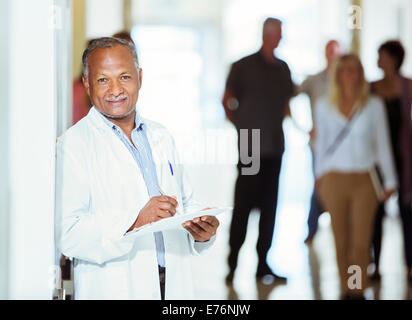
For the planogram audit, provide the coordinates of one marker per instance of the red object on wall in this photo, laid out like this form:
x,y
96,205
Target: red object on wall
x,y
81,101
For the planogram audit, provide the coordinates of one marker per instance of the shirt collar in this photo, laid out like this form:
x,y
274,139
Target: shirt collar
x,y
262,58
138,121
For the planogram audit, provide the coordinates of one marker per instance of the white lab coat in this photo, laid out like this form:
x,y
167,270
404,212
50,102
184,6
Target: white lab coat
x,y
100,191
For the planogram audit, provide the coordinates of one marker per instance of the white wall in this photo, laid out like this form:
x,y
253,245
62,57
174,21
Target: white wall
x,y
103,18
385,20
307,26
31,139
406,35
188,12
4,179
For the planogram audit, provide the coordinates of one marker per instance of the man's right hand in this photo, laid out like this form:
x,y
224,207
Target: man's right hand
x,y
156,208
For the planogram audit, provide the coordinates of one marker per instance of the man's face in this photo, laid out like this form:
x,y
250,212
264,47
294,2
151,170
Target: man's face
x,y
332,51
272,34
114,81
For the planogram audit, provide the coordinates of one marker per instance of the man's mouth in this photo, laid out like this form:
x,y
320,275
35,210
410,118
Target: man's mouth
x,y
116,101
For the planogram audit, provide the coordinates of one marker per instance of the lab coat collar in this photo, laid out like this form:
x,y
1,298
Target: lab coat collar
x,y
95,113
137,120
154,135
100,122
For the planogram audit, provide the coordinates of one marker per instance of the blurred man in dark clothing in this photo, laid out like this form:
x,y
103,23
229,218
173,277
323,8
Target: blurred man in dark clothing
x,y
257,96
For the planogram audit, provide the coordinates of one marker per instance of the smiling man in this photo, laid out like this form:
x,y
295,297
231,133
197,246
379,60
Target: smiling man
x,y
115,172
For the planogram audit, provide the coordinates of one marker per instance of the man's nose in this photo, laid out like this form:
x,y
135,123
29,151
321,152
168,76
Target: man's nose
x,y
116,88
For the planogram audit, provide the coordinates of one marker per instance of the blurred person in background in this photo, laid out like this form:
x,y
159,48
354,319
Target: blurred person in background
x,y
316,86
257,94
396,92
125,35
352,136
81,101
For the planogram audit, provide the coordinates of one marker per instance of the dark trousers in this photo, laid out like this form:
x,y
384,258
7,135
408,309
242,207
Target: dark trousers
x,y
255,191
162,280
316,208
405,211
314,213
406,218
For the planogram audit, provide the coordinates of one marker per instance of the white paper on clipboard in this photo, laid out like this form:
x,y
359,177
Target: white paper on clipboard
x,y
175,222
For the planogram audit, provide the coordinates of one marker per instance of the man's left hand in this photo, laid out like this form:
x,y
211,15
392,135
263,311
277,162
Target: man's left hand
x,y
202,228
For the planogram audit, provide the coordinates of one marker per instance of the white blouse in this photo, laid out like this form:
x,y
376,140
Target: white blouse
x,y
366,144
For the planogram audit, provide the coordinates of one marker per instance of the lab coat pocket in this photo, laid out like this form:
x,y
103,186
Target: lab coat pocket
x,y
169,183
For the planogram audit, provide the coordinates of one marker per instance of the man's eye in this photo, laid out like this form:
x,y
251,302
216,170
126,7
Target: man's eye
x,y
125,77
102,80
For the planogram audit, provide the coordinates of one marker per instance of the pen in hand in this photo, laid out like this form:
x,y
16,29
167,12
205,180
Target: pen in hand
x,y
164,194
160,190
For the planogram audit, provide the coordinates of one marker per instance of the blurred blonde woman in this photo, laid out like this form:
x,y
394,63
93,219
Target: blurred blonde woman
x,y
352,138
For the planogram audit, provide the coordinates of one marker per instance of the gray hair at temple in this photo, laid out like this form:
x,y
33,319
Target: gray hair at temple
x,y
106,42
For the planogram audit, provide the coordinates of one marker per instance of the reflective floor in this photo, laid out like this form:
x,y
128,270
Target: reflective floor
x,y
311,270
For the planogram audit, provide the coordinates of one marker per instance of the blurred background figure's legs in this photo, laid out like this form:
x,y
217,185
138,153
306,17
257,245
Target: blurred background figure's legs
x,y
255,191
244,202
406,218
352,202
269,180
377,241
336,203
313,218
363,210
405,212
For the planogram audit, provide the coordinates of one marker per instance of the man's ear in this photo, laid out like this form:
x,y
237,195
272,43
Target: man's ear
x,y
86,84
140,77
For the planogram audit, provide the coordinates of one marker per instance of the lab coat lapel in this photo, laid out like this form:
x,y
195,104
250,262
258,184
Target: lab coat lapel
x,y
164,160
110,137
122,154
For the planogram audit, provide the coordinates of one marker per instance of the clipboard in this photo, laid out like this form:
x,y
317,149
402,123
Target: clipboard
x,y
174,222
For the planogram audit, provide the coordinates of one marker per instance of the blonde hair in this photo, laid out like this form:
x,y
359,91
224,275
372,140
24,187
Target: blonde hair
x,y
335,93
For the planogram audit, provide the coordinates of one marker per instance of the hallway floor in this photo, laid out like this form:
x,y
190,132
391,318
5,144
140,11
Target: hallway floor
x,y
311,271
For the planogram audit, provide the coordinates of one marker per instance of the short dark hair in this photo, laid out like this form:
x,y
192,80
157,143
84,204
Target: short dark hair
x,y
395,49
125,35
271,20
106,42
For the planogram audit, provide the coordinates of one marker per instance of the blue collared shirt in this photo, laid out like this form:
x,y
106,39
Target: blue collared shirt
x,y
142,154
